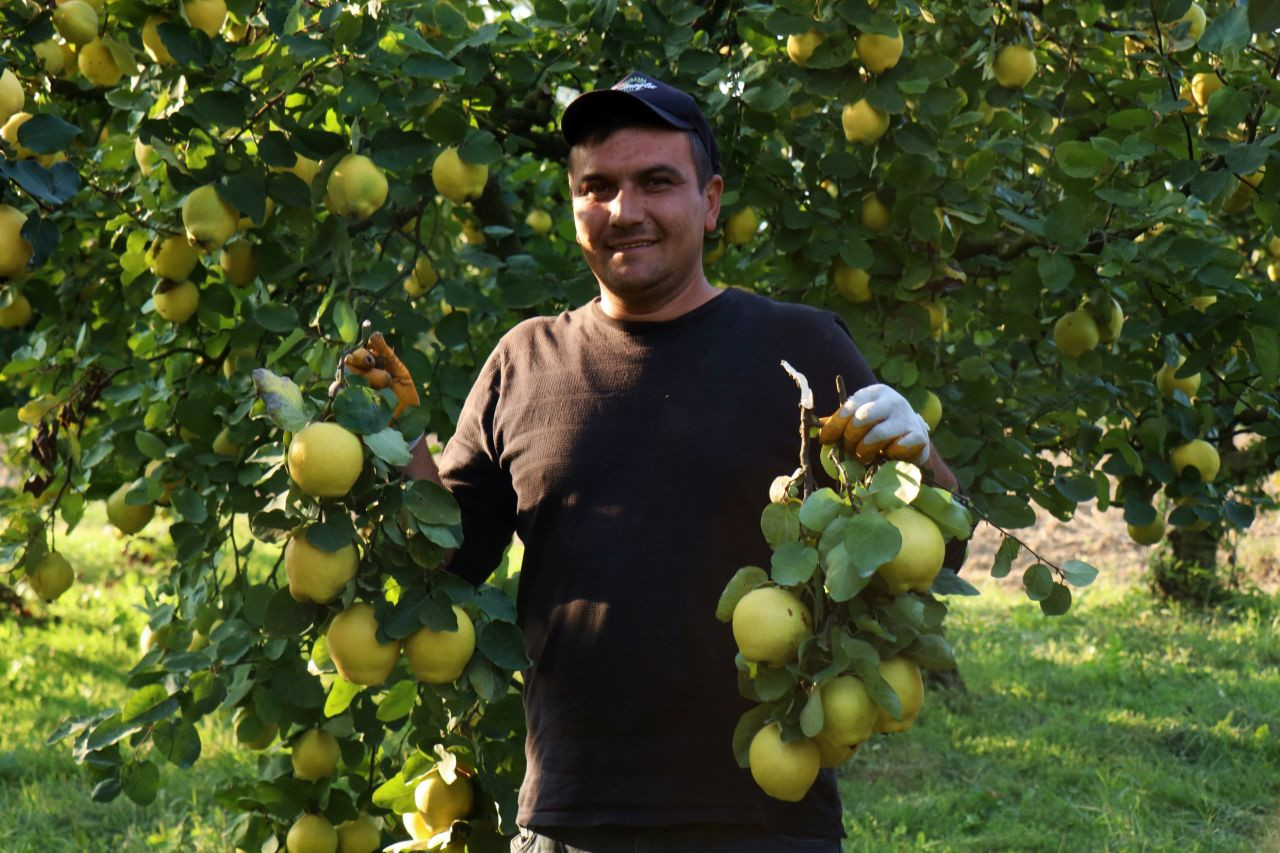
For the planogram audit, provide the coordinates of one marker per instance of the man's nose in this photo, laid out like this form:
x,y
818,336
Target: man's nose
x,y
626,207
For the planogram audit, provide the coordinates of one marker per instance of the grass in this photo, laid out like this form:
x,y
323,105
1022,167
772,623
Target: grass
x,y
1121,726
76,665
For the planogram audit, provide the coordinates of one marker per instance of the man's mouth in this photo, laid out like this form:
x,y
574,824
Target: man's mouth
x,y
631,244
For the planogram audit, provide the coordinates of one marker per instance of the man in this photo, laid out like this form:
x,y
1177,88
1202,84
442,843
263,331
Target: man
x,y
631,443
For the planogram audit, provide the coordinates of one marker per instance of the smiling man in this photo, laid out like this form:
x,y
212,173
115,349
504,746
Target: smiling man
x,y
631,443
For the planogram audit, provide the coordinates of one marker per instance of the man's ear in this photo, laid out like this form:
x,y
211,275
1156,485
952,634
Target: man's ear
x,y
714,191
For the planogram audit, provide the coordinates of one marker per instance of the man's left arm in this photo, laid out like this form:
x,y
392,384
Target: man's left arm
x,y
941,472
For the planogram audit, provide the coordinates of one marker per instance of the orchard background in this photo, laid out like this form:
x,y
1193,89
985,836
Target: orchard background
x,y
1127,180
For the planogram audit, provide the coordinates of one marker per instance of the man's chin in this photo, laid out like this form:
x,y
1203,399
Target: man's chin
x,y
630,280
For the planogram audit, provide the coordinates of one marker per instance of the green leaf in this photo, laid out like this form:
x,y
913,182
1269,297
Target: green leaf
x,y
189,505
1131,119
221,107
480,148
766,96
1078,488
286,617
1009,511
820,508
840,579
344,317
45,133
1057,602
341,692
1265,349
178,741
1246,159
812,718
833,535
335,532
187,46
1264,16
109,732
151,447
143,700
1078,573
106,790
947,582
361,410
780,523
248,194
141,782
871,540
485,679
794,563
743,581
502,643
895,484
1038,582
768,683
396,794
283,400
1229,30
398,702
54,186
949,514
932,651
389,446
865,662
1056,272
431,503
1080,159
445,537
431,68
1065,225
748,725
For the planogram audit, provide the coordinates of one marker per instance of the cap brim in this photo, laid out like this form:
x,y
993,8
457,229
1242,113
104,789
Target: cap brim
x,y
579,117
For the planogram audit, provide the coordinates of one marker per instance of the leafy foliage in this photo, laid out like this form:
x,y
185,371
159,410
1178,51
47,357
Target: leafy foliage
x,y
1115,178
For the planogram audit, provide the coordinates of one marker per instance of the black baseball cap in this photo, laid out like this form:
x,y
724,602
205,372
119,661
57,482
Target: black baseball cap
x,y
652,97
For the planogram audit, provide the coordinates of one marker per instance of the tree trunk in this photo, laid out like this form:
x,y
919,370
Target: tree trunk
x,y
1188,570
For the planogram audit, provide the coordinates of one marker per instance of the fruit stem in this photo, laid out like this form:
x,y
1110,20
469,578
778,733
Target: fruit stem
x,y
1039,559
806,397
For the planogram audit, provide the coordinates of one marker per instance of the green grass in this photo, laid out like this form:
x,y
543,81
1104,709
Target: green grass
x,y
76,665
1121,726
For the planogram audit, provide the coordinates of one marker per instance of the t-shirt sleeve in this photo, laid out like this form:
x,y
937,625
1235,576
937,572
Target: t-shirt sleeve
x,y
471,469
846,360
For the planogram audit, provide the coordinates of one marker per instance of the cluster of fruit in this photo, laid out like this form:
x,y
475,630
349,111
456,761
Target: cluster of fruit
x,y
15,252
356,188
831,640
324,461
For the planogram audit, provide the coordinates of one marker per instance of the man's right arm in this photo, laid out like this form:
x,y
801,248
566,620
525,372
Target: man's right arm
x,y
423,466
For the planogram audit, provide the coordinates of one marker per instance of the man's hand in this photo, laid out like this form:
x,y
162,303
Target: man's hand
x,y
380,367
877,419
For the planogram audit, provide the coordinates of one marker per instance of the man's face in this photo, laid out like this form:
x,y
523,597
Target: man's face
x,y
640,213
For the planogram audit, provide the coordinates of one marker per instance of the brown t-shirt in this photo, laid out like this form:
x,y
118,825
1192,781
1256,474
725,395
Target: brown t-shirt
x,y
634,459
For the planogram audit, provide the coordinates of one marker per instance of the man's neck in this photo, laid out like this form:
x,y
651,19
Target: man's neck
x,y
692,297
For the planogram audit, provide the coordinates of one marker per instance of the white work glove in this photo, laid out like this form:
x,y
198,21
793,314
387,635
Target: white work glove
x,y
884,422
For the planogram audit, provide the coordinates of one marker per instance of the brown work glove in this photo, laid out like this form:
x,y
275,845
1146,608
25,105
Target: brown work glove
x,y
380,367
